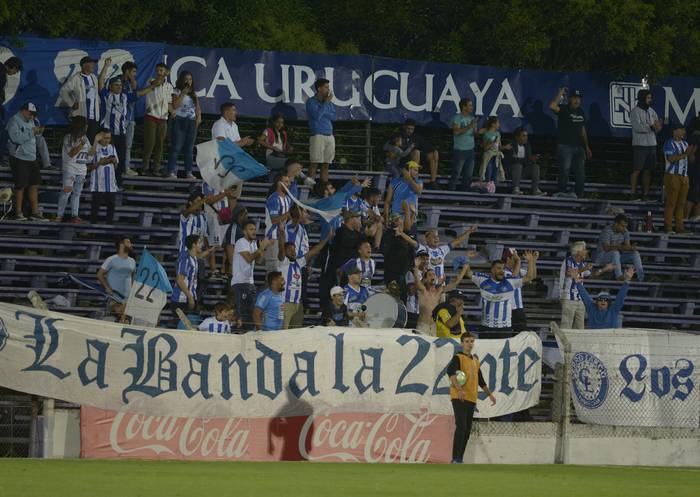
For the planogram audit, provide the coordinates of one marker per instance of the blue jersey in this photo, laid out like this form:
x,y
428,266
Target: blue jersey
x,y
116,109
90,97
436,258
213,325
353,204
194,224
496,299
291,270
403,192
272,306
103,179
518,294
276,205
355,298
367,269
187,266
299,237
567,285
130,108
673,147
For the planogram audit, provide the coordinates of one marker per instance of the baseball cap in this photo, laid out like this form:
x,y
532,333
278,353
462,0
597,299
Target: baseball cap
x,y
337,290
412,165
422,253
30,107
86,60
576,93
455,294
349,215
353,270
603,296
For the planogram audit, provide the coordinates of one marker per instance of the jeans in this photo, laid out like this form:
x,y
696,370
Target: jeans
x,y
462,164
242,296
75,183
98,200
619,258
119,142
392,167
130,128
572,160
184,134
516,172
464,415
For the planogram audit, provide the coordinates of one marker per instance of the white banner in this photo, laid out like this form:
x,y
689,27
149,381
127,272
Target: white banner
x,y
194,374
630,377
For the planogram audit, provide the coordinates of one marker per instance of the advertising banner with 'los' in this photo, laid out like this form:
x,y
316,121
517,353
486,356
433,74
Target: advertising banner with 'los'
x,y
635,377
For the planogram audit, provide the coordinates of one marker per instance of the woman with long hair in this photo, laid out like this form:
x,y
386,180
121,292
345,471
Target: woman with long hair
x,y
275,141
188,116
76,153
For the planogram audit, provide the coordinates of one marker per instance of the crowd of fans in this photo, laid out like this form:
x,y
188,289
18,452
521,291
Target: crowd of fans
x,y
216,228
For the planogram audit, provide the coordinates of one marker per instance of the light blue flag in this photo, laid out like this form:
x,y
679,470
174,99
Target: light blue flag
x,y
330,207
149,291
224,165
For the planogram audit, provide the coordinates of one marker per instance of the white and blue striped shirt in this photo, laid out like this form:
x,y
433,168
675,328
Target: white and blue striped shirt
x,y
353,204
366,267
187,266
518,293
496,299
90,97
436,258
672,147
103,178
354,299
208,190
567,286
276,205
291,270
213,325
299,237
194,224
116,109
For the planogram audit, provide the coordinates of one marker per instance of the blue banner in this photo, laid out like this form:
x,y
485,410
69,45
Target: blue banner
x,y
364,87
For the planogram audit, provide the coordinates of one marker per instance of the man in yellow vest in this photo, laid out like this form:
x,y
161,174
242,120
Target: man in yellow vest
x,y
465,378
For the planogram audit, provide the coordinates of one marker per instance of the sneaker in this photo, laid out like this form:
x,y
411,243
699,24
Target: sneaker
x,y
76,220
130,172
572,195
560,195
670,232
20,217
694,219
58,219
38,217
636,198
517,191
170,176
191,177
539,193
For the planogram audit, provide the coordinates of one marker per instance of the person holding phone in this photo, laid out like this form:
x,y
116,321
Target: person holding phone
x,y
188,117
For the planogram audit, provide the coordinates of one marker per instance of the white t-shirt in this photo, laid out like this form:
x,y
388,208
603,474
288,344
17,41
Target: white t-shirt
x,y
157,101
78,163
226,129
242,269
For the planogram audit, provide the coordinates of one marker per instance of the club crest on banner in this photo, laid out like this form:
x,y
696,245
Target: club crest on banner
x,y
589,379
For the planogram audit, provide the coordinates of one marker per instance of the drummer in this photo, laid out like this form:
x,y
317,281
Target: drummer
x,y
355,297
429,293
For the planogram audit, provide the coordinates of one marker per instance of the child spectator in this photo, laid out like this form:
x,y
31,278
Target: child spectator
x,y
222,321
355,297
103,183
76,154
394,155
491,169
336,312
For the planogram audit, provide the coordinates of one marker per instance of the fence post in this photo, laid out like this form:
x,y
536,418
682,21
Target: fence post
x,y
561,453
369,156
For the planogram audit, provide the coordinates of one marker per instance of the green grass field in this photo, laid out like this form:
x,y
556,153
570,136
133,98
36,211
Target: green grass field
x,y
78,478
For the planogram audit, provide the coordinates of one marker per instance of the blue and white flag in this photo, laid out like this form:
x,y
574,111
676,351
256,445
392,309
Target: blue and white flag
x,y
223,164
330,207
149,292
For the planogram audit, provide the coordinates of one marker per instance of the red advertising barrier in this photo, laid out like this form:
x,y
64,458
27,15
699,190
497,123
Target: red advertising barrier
x,y
359,437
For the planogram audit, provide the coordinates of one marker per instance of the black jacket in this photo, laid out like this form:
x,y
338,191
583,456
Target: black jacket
x,y
509,155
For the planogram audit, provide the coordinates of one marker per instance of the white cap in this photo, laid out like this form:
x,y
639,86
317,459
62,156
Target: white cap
x,y
337,290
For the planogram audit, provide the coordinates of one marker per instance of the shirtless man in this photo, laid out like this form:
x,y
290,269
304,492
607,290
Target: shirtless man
x,y
429,294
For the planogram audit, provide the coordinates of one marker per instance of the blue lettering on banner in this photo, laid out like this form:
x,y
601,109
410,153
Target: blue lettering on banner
x,y
202,374
589,380
633,370
100,362
660,381
683,388
421,352
505,356
276,358
339,350
630,377
442,375
490,379
43,328
4,334
242,376
309,358
164,369
375,370
534,358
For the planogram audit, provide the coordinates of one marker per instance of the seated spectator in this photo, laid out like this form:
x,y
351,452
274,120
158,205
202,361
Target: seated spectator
x,y
275,141
221,322
403,192
335,313
355,297
116,274
22,133
463,126
10,67
394,155
519,159
676,184
226,126
614,247
187,118
601,314
448,318
184,295
76,155
430,292
363,262
246,254
268,313
103,180
491,170
422,151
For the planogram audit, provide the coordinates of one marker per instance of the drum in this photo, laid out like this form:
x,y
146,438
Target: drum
x,y
385,311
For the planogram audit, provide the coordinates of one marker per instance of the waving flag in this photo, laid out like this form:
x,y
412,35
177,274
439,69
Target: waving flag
x,y
224,164
329,207
149,292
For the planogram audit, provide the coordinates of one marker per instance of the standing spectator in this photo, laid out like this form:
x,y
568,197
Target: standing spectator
x,y
276,211
430,292
291,267
22,133
519,159
513,268
572,142
437,253
614,247
193,221
81,93
76,155
645,125
10,67
116,274
463,125
693,205
394,155
355,297
602,315
404,192
155,122
321,114
335,313
344,246
293,168
497,295
234,232
246,254
216,205
676,184
116,103
422,150
275,141
103,183
184,294
491,169
188,116
226,127
269,305
296,231
397,247
363,262
130,85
